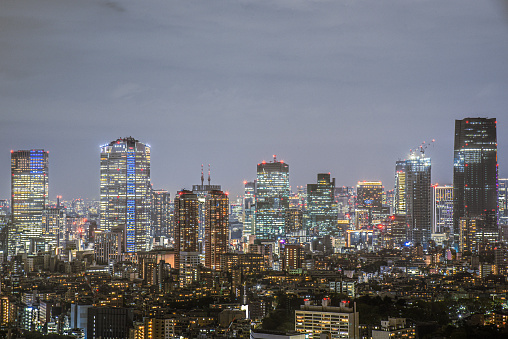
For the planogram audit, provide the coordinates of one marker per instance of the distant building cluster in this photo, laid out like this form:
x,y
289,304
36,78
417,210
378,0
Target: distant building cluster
x,y
202,243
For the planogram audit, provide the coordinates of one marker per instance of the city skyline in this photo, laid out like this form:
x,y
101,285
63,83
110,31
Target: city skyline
x,y
349,92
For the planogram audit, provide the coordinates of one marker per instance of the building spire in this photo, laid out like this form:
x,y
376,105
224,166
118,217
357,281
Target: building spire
x,y
202,176
208,174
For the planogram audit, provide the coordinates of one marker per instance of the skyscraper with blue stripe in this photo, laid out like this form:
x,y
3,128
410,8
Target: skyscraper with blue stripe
x,y
126,191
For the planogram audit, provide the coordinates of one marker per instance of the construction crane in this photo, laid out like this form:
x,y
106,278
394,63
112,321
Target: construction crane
x,y
423,146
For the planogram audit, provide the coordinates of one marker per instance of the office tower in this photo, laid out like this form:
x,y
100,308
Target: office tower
x,y
345,202
442,208
503,201
294,221
475,173
108,246
216,228
399,206
54,221
272,199
125,190
249,208
369,206
416,193
338,321
29,194
201,192
186,236
321,206
161,220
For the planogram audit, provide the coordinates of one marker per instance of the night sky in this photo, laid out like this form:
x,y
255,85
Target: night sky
x,y
340,86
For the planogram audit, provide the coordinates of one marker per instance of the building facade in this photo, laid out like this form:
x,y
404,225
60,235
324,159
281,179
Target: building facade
x,y
29,194
442,209
272,199
475,172
126,191
216,228
322,210
416,172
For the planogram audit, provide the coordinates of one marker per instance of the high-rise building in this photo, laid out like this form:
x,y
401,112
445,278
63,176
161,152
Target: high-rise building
x,y
329,321
442,208
503,201
186,236
475,173
322,209
416,172
161,220
126,190
249,208
29,194
54,221
272,199
369,207
216,228
399,207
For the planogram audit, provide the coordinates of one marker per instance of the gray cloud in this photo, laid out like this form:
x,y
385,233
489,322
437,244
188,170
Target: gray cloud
x,y
346,87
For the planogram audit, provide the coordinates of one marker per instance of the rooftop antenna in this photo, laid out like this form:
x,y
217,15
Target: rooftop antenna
x,y
208,174
274,158
202,176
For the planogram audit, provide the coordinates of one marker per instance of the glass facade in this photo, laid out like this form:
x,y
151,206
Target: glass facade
x,y
272,199
322,210
442,218
475,172
126,191
249,208
415,196
29,194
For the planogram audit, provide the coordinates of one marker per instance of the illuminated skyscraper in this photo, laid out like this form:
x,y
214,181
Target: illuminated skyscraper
x,y
272,199
475,173
249,208
369,207
503,201
29,194
186,236
399,207
161,220
416,193
322,210
442,208
126,191
216,228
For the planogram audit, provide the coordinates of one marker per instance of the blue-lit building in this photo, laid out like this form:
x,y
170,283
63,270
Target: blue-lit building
x,y
272,199
249,208
322,210
415,196
475,174
29,194
126,191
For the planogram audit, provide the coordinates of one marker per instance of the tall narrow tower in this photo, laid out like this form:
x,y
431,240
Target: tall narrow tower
x,y
415,196
216,228
272,199
475,175
125,191
29,194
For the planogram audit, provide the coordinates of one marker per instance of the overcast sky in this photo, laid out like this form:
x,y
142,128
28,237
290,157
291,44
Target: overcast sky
x,y
340,86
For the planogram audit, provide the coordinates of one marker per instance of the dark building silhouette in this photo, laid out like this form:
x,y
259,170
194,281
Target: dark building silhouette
x,y
475,174
109,322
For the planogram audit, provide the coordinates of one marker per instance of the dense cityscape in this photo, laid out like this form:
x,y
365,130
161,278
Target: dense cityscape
x,y
418,260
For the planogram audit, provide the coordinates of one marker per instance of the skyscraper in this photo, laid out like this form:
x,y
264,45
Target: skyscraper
x,y
186,236
416,194
322,210
29,194
442,208
475,175
503,201
216,228
249,208
369,205
272,199
126,191
161,220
